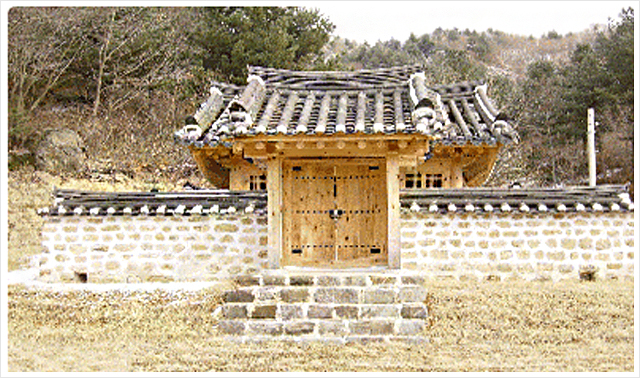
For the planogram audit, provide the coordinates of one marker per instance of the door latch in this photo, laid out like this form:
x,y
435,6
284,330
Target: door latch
x,y
336,214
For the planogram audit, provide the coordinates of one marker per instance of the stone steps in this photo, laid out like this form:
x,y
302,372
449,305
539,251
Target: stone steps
x,y
325,307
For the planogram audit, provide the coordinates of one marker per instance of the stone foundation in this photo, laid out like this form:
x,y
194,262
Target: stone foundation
x,y
334,307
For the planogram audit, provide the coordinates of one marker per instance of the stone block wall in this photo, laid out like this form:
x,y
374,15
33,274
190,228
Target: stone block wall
x,y
152,248
462,245
513,245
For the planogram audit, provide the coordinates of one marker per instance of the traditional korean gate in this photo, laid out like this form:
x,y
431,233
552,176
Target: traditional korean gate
x,y
335,213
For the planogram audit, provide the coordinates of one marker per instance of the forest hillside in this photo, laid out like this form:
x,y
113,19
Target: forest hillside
x,y
122,80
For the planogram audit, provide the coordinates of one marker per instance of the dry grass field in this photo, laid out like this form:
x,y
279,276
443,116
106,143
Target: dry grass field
x,y
486,326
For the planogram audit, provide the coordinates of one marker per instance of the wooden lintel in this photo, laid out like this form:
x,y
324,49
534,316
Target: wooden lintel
x,y
336,137
238,148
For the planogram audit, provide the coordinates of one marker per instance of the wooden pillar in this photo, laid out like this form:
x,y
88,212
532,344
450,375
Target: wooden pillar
x,y
456,173
393,209
274,208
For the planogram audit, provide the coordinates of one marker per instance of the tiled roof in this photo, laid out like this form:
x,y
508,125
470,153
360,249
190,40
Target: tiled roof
x,y
382,101
571,199
208,202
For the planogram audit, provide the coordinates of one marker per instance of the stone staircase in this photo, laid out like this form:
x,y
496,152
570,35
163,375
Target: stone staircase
x,y
331,307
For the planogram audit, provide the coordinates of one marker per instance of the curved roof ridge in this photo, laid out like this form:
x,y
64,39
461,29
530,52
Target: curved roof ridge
x,y
357,78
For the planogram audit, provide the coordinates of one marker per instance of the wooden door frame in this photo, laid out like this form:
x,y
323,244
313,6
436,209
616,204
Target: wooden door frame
x,y
275,209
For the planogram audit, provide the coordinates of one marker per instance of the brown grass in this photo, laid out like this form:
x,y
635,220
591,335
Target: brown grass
x,y
488,326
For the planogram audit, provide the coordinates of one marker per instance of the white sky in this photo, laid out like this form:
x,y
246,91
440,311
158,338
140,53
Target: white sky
x,y
382,20
372,21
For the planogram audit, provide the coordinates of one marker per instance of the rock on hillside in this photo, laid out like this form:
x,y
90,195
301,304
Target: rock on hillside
x,y
60,150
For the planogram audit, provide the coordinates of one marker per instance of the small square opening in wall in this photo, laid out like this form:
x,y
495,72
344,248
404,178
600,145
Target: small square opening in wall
x,y
81,277
587,273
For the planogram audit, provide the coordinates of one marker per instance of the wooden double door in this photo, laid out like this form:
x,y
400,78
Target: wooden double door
x,y
335,213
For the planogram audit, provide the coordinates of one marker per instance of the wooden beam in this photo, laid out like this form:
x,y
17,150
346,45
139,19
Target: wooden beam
x,y
237,148
393,210
274,209
457,180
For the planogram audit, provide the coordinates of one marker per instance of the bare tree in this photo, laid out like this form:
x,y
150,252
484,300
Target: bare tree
x,y
43,44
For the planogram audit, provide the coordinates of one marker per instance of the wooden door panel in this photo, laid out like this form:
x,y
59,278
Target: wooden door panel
x,y
361,234
354,192
309,238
